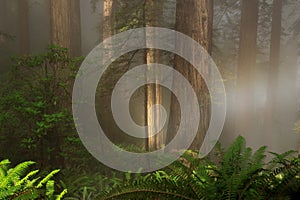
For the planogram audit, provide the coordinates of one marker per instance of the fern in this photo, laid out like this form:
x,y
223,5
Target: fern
x,y
237,174
15,183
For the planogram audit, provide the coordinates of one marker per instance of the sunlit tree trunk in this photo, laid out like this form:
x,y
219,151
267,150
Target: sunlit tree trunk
x,y
153,13
23,27
246,66
193,18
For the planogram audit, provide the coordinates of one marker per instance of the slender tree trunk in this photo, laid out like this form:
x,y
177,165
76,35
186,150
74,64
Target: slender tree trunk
x,y
106,33
274,63
246,66
107,18
193,18
23,27
153,12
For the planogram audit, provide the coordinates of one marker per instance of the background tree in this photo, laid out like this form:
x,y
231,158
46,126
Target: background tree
x,y
274,63
246,65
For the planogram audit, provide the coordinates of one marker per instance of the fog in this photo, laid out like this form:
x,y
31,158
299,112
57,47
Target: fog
x,y
280,136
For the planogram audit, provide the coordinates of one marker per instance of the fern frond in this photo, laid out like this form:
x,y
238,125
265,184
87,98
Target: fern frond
x,y
45,180
61,195
13,175
26,178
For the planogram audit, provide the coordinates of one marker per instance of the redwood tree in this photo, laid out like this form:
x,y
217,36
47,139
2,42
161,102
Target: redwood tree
x,y
193,18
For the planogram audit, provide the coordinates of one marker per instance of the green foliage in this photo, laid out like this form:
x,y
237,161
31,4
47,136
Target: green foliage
x,y
35,107
15,183
238,173
88,186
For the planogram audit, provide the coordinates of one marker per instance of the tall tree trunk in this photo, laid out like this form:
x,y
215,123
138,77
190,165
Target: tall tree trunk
x,y
65,25
193,18
246,66
274,63
153,12
23,27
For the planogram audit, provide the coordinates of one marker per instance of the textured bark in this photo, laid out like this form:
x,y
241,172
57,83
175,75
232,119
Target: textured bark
x,y
23,27
60,23
153,11
65,25
193,18
246,65
274,63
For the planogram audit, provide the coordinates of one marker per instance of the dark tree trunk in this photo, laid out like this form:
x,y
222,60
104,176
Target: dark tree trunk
x,y
193,18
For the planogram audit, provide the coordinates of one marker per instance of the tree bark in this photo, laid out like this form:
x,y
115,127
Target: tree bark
x,y
65,25
193,18
60,23
246,66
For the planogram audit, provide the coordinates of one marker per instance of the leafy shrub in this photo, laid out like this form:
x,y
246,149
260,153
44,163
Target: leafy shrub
x,y
35,110
16,184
